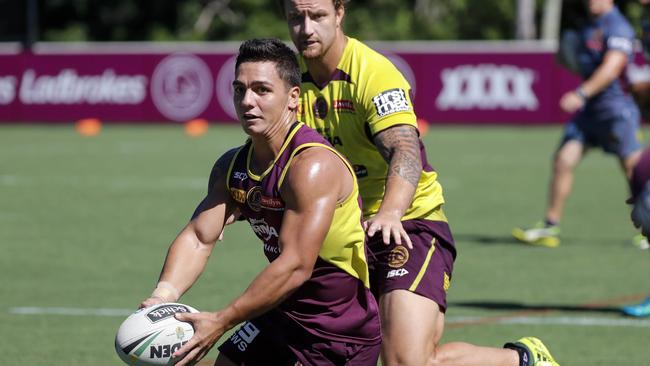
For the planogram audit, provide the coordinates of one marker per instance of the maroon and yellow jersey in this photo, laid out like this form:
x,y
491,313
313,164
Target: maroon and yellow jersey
x,y
335,303
365,96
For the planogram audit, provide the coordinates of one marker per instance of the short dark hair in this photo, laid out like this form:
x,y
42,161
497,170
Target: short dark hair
x,y
274,50
337,4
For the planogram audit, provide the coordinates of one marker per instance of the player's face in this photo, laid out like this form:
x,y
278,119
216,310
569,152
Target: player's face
x,y
313,25
599,7
262,99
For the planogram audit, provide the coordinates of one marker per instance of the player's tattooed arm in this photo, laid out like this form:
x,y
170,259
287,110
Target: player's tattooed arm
x,y
400,147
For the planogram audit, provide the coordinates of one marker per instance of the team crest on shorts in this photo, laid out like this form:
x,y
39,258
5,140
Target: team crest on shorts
x,y
398,256
254,198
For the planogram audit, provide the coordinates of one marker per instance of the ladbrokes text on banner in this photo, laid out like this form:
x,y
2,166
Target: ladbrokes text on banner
x,y
448,86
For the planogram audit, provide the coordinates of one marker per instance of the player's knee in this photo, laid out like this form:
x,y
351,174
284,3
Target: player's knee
x,y
409,357
564,163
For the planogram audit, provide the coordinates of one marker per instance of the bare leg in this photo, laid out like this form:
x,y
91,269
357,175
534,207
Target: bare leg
x,y
413,326
629,162
566,159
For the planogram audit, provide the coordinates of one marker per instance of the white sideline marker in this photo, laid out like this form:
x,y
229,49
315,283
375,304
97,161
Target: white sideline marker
x,y
71,311
557,320
536,320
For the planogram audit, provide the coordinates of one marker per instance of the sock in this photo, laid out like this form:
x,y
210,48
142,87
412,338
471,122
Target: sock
x,y
524,356
550,223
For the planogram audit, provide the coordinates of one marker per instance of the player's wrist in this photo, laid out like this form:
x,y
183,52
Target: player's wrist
x,y
581,93
166,292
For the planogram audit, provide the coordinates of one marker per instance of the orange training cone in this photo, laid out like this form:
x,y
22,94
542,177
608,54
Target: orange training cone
x,y
88,127
196,127
423,126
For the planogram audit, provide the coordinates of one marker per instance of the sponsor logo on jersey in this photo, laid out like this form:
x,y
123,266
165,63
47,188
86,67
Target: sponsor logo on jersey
x,y
320,107
164,351
343,105
595,42
254,198
238,195
391,101
240,176
487,87
620,43
398,256
263,229
397,273
244,336
164,312
360,170
272,249
272,203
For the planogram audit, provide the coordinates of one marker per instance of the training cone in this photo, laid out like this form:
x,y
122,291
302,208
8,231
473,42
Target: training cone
x,y
88,126
423,126
196,127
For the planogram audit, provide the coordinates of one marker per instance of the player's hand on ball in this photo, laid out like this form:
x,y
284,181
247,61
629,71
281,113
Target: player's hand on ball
x,y
207,331
151,301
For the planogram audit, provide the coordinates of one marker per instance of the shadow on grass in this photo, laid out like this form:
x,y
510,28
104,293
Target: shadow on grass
x,y
487,239
512,306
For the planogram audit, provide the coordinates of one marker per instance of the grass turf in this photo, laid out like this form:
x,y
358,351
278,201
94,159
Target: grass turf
x,y
85,223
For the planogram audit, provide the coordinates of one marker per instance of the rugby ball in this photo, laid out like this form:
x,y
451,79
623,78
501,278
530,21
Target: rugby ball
x,y
151,335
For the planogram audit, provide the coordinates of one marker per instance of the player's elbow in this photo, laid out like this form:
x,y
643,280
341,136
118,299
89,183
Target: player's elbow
x,y
299,273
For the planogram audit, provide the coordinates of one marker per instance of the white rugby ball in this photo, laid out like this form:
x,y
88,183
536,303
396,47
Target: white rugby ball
x,y
151,335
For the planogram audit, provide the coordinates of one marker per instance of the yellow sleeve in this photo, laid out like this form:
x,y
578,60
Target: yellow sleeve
x,y
385,94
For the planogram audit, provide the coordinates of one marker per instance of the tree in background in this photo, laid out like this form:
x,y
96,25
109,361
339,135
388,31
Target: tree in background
x,y
216,20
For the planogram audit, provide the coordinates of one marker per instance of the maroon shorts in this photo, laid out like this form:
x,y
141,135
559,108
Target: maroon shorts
x,y
425,270
272,339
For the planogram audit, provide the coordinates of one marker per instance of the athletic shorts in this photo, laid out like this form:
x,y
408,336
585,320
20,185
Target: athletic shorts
x,y
425,270
272,339
617,134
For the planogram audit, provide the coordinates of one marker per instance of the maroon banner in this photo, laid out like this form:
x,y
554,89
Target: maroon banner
x,y
488,85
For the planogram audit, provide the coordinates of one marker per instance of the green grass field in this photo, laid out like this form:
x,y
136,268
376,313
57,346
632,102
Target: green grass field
x,y
85,224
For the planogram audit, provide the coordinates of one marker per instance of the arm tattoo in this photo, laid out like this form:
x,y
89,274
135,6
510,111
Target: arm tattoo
x,y
400,147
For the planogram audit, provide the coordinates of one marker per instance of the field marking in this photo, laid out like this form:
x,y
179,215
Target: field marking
x,y
559,320
115,183
543,313
71,311
454,321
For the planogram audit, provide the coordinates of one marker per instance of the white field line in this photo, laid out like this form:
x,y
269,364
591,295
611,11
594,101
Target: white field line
x,y
71,311
554,320
532,320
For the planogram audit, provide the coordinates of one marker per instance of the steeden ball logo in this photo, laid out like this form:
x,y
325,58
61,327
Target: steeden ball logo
x,y
181,87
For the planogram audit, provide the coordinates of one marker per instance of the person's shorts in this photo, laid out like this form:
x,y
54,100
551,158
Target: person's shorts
x,y
272,339
425,270
616,134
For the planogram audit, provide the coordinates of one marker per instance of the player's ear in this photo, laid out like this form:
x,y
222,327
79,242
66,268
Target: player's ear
x,y
340,12
294,96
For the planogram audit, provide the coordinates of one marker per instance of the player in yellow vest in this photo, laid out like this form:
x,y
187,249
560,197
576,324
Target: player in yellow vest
x,y
360,102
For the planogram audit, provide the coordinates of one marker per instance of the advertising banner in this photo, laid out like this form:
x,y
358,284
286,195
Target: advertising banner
x,y
449,86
